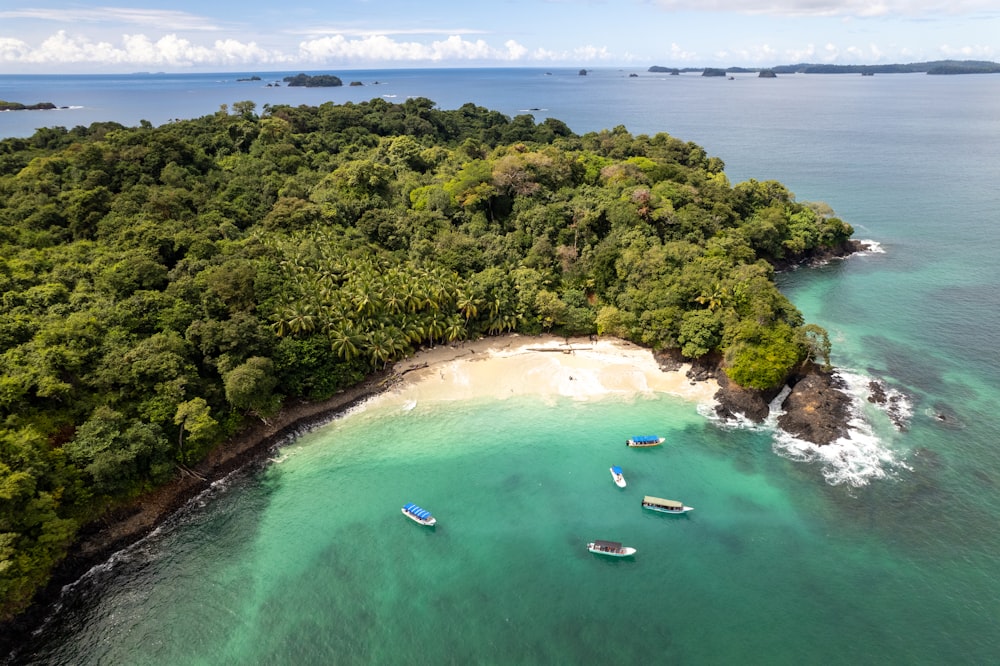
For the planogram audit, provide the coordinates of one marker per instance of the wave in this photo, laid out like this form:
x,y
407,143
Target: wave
x,y
856,459
871,247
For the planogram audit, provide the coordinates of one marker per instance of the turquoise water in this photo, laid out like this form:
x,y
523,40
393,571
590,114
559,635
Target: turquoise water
x,y
882,549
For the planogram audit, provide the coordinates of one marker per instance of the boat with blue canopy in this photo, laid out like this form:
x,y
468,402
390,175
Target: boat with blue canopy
x,y
418,515
642,441
616,474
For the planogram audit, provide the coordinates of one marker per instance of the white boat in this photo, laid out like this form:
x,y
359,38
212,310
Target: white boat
x,y
418,515
612,548
664,505
616,474
644,441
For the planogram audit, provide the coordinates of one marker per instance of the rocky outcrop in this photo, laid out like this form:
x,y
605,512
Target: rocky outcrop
x,y
817,409
734,401
822,254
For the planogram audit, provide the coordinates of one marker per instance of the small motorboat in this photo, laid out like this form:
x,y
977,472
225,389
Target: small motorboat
x,y
616,474
418,515
612,548
644,441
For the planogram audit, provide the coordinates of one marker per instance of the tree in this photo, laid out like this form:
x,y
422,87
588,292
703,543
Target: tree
x,y
250,386
194,418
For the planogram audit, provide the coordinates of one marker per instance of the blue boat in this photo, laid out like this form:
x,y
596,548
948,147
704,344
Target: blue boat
x,y
616,474
418,515
644,441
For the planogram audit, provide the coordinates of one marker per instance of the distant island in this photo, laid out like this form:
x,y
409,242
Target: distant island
x,y
942,67
250,78
318,81
17,106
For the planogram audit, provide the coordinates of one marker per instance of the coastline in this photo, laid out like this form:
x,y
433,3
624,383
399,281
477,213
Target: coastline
x,y
495,367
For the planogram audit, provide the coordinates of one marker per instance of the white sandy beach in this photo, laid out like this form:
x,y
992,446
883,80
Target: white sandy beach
x,y
546,366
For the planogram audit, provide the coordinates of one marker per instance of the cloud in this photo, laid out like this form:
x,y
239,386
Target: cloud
x,y
859,8
365,32
379,47
162,19
137,49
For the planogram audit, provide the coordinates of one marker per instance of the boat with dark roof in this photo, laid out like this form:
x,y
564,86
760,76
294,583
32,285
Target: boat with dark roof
x,y
612,548
418,515
644,441
664,505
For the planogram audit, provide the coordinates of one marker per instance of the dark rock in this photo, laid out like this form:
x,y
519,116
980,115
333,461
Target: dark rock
x,y
876,392
735,401
821,255
583,72
817,409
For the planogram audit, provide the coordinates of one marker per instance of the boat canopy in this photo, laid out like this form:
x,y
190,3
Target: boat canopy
x,y
643,439
423,514
616,469
659,501
612,545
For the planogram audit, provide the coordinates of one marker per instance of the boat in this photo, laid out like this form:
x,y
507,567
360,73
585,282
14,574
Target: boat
x,y
612,548
645,440
418,515
664,505
616,474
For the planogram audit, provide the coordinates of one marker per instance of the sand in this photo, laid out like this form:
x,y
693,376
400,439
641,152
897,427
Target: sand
x,y
544,366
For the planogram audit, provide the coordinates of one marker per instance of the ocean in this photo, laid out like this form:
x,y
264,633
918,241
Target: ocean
x,y
879,549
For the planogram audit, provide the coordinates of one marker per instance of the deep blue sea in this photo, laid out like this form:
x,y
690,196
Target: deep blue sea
x,y
878,550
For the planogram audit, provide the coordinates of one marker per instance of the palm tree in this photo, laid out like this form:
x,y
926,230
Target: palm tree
x,y
467,304
344,342
379,346
301,319
454,329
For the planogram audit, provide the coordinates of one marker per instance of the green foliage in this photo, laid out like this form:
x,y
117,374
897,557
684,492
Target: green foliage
x,y
161,285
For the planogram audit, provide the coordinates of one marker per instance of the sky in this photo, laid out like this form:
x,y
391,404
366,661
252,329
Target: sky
x,y
53,36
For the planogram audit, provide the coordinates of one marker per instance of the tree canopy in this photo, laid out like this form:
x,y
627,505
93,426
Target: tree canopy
x,y
161,285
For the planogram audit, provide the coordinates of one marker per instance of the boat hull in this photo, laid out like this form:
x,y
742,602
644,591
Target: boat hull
x,y
683,509
625,551
426,522
644,444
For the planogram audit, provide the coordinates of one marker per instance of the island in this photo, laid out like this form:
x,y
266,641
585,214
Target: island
x,y
167,318
316,81
17,106
936,67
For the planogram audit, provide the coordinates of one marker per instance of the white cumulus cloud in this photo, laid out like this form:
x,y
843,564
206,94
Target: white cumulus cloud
x,y
383,48
861,8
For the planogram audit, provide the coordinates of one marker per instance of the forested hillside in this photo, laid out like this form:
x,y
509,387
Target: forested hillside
x,y
161,285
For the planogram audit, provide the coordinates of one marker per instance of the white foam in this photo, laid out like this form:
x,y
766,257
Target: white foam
x,y
897,406
871,247
856,459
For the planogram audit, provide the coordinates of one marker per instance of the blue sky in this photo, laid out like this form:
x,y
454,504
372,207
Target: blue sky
x,y
46,36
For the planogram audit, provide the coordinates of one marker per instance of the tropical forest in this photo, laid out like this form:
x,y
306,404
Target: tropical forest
x,y
162,287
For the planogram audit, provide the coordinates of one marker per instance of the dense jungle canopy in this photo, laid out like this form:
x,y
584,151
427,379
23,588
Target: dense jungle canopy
x,y
159,286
